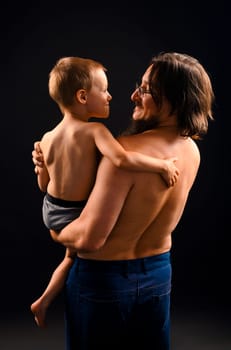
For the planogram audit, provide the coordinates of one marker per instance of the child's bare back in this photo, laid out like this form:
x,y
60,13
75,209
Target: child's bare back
x,y
70,153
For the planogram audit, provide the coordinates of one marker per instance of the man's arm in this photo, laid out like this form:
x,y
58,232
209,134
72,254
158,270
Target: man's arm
x,y
91,229
40,169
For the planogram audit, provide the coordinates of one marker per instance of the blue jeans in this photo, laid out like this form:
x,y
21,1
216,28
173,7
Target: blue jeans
x,y
119,304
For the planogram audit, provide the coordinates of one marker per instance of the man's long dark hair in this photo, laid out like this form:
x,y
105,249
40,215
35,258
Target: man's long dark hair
x,y
184,82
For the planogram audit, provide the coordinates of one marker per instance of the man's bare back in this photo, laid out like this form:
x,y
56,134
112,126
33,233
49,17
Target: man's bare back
x,y
145,224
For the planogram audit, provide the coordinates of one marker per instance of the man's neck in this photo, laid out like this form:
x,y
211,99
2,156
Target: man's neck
x,y
139,126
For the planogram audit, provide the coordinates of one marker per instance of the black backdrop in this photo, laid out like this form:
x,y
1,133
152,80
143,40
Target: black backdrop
x,y
33,37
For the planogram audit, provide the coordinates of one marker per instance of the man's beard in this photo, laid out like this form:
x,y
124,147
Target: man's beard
x,y
139,126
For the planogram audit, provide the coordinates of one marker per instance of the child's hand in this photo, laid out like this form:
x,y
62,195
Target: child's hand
x,y
171,172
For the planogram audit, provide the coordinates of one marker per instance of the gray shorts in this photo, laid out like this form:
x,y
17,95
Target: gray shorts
x,y
57,213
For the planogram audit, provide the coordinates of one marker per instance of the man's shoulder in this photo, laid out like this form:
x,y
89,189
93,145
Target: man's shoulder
x,y
131,142
125,138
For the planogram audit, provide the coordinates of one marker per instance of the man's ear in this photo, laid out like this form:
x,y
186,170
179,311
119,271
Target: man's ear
x,y
81,96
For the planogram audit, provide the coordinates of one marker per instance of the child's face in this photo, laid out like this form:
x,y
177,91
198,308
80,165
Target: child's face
x,y
98,97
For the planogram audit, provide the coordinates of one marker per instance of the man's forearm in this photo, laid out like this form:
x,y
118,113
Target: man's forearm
x,y
76,239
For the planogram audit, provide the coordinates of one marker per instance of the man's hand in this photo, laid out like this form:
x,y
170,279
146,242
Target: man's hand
x,y
37,157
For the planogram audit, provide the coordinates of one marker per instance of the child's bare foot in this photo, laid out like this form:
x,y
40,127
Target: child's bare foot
x,y
39,311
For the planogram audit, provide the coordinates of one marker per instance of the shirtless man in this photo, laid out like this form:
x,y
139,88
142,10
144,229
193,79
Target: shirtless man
x,y
71,152
118,289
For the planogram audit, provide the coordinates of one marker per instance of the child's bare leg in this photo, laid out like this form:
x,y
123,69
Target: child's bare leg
x,y
39,307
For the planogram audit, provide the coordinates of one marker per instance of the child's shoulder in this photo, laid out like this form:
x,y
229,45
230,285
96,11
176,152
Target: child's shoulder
x,y
94,126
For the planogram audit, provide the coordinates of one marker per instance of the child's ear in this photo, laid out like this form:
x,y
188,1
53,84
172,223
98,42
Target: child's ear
x,y
81,96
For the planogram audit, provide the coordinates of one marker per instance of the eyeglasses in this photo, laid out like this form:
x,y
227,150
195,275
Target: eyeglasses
x,y
142,90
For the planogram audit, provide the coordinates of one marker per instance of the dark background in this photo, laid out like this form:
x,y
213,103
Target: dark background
x,y
33,37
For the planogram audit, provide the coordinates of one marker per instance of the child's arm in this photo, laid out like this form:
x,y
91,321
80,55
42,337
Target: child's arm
x,y
111,148
39,307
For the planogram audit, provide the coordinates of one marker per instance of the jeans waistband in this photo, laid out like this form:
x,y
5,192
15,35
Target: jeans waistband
x,y
132,265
